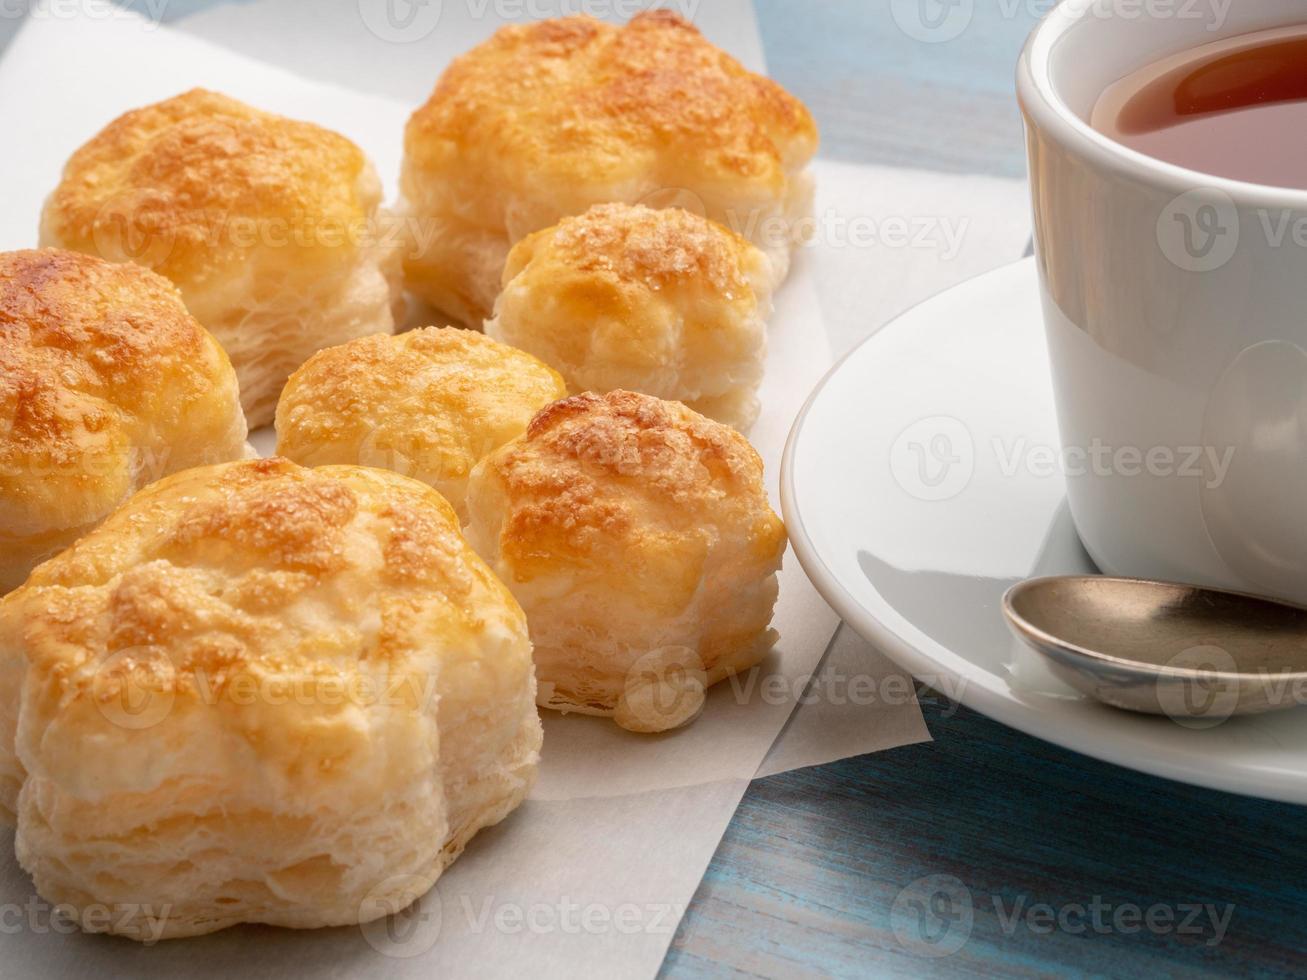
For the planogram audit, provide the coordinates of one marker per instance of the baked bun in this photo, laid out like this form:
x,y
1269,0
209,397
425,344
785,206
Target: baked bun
x,y
658,301
271,228
429,403
106,384
261,693
637,536
546,119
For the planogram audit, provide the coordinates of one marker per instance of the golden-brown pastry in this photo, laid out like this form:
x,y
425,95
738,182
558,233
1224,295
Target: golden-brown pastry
x,y
106,384
271,228
546,119
657,301
429,403
638,538
261,693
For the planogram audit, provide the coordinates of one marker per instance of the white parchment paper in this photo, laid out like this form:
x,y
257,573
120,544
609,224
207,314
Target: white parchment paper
x,y
592,874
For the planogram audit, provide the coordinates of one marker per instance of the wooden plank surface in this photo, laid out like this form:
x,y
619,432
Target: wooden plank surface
x,y
809,877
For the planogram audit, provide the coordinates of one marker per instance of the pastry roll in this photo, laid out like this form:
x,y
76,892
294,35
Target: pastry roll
x,y
106,384
545,119
271,227
638,538
429,403
261,693
657,301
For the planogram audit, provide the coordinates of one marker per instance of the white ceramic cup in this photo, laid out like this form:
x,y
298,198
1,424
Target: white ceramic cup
x,y
1176,311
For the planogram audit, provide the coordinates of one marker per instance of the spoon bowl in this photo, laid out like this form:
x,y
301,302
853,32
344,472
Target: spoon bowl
x,y
1194,654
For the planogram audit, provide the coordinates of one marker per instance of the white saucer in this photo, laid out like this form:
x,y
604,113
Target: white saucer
x,y
921,480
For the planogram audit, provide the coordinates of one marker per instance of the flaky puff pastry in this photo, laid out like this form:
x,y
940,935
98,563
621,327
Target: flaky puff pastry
x,y
106,384
546,119
428,403
638,538
271,228
261,693
657,301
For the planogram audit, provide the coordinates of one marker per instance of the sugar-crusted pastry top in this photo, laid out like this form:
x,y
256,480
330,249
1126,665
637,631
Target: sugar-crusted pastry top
x,y
263,569
648,248
631,487
106,381
429,403
191,185
261,693
551,108
659,301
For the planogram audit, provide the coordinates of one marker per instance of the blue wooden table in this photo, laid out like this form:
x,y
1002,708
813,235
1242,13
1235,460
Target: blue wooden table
x,y
985,852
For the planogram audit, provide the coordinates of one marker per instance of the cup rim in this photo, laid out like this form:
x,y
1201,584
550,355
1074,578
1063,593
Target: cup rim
x,y
1044,106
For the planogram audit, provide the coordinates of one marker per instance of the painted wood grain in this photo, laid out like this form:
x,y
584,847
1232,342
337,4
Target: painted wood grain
x,y
885,92
806,880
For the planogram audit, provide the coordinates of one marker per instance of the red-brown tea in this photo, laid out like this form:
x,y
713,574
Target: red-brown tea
x,y
1235,108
